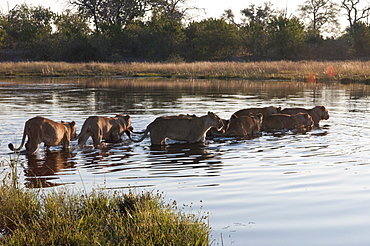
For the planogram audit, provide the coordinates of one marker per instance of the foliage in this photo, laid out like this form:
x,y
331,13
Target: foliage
x,y
164,32
286,37
361,40
157,30
60,217
26,25
212,39
259,14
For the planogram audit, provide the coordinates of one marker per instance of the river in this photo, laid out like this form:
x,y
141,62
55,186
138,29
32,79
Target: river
x,y
284,188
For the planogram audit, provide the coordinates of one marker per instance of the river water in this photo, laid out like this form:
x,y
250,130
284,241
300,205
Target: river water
x,y
277,189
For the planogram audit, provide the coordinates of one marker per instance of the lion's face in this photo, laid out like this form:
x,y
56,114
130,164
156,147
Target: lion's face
x,y
127,121
321,112
217,121
73,129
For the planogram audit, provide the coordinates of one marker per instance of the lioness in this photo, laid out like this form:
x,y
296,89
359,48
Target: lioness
x,y
317,113
191,129
266,111
110,129
243,126
288,122
40,129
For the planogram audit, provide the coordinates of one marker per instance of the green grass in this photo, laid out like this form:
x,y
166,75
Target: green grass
x,y
103,217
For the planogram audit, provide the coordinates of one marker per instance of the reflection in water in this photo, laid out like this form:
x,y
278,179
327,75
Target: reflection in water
x,y
182,160
182,154
111,155
40,171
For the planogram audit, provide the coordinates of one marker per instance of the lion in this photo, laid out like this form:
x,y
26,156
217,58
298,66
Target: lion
x,y
266,111
191,129
242,126
103,128
317,113
288,122
51,133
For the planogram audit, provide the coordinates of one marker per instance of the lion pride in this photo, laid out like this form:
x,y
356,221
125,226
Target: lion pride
x,y
317,113
242,126
288,122
51,133
191,129
110,129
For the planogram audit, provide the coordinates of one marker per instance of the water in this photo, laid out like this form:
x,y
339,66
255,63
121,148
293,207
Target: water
x,y
278,189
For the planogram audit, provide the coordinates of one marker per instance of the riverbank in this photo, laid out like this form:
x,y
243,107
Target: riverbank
x,y
311,71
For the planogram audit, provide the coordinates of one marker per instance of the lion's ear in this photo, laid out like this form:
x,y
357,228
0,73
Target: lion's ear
x,y
127,117
72,123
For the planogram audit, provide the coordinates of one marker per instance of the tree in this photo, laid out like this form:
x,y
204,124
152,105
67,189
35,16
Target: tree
x,y
212,39
259,14
71,38
354,12
165,36
115,14
26,25
286,37
254,29
361,39
322,15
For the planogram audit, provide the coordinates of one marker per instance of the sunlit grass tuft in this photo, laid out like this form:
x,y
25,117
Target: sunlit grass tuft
x,y
60,217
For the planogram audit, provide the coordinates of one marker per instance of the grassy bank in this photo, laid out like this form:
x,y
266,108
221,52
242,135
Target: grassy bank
x,y
345,71
36,217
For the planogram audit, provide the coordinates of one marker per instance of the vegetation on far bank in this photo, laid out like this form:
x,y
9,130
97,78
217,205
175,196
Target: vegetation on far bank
x,y
157,30
61,217
311,71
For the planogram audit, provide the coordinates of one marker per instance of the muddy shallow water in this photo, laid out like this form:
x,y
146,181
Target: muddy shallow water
x,y
277,189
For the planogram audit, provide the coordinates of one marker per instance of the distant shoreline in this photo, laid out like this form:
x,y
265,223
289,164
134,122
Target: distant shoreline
x,y
310,71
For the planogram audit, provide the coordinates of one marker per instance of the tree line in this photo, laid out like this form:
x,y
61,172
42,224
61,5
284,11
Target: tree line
x,y
162,30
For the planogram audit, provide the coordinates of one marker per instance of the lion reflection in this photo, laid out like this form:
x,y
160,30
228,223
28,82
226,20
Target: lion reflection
x,y
183,154
40,171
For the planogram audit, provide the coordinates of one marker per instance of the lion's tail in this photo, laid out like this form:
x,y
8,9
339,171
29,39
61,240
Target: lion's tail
x,y
11,146
145,134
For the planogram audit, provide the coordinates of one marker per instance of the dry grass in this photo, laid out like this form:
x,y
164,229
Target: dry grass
x,y
314,70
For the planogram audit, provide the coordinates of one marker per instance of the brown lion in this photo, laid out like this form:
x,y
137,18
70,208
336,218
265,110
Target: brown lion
x,y
51,133
266,111
317,113
242,126
110,129
191,129
288,122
